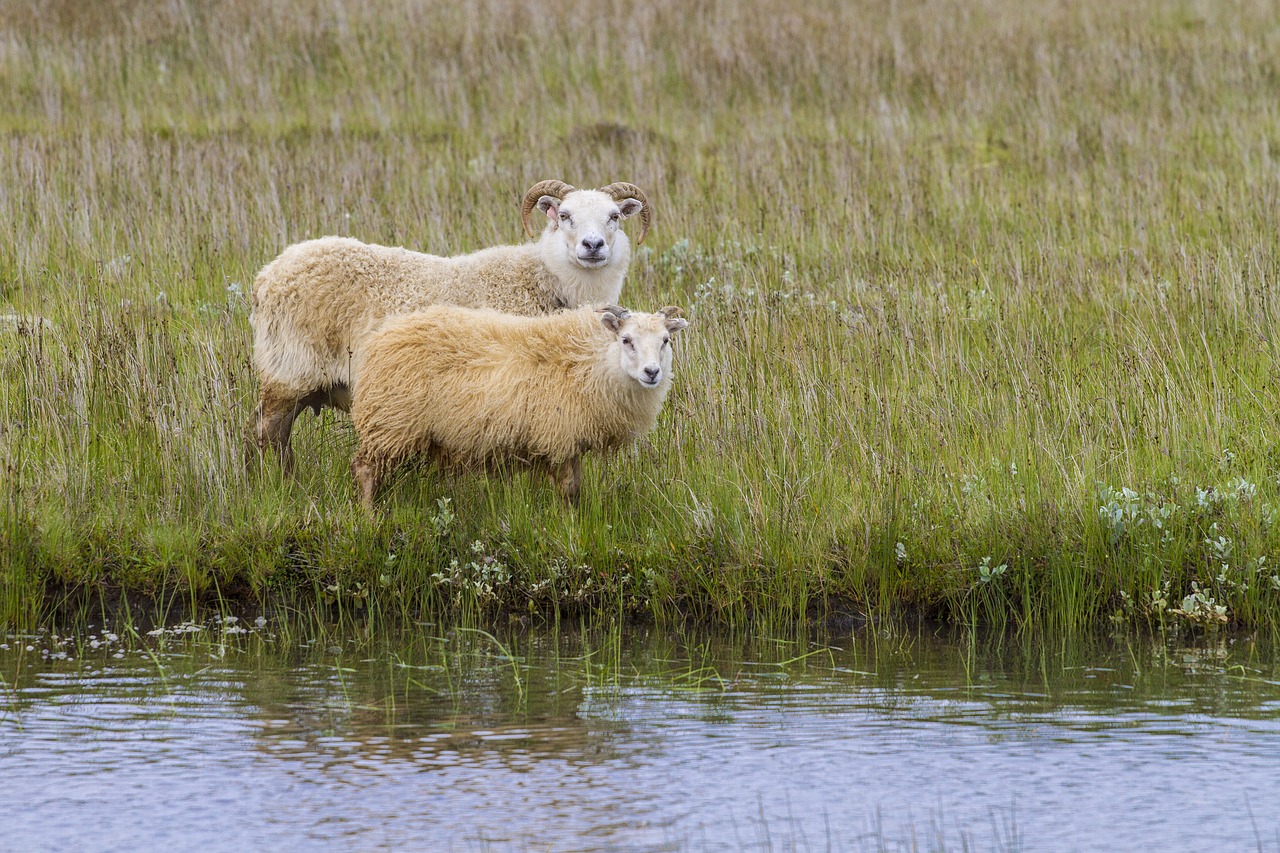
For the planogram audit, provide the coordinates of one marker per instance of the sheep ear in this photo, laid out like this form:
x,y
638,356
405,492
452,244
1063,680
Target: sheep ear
x,y
674,321
629,207
550,205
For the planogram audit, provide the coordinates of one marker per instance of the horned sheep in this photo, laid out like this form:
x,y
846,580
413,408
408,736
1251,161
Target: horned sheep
x,y
474,388
315,304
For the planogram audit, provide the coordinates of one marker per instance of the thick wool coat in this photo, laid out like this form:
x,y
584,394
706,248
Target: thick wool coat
x,y
477,387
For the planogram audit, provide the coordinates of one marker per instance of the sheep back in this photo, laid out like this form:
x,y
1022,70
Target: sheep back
x,y
315,303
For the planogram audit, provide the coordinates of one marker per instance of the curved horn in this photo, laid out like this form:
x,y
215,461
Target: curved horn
x,y
622,190
557,189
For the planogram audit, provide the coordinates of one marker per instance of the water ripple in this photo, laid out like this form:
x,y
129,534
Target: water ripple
x,y
255,754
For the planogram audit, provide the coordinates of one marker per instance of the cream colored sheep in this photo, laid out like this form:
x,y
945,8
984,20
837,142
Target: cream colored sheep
x,y
314,305
472,388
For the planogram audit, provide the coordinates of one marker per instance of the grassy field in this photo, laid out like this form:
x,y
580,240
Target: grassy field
x,y
984,302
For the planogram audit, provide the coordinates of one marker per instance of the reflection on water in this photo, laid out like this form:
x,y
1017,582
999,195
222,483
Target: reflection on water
x,y
637,740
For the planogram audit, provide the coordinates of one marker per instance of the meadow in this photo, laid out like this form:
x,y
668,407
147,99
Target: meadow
x,y
983,302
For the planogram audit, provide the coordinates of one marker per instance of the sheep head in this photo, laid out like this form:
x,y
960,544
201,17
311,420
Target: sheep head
x,y
587,220
643,342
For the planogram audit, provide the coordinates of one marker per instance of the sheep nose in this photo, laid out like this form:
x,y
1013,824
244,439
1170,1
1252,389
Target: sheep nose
x,y
593,244
651,373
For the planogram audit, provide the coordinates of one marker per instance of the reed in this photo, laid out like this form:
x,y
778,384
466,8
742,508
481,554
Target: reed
x,y
984,301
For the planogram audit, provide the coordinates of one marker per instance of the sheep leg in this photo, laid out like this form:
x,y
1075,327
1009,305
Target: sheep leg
x,y
273,422
568,477
368,473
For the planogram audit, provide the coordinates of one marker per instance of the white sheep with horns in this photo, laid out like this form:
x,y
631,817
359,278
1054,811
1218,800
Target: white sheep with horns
x,y
315,304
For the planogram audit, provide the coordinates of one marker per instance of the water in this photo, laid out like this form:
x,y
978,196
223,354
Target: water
x,y
637,740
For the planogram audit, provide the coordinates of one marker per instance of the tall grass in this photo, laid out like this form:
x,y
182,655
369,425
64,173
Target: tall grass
x,y
984,300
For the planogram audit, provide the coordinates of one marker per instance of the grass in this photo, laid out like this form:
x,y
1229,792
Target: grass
x,y
972,286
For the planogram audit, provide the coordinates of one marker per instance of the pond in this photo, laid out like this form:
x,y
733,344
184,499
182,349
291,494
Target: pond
x,y
226,735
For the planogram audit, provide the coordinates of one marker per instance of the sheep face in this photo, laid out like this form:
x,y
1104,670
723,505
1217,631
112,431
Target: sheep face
x,y
587,221
641,348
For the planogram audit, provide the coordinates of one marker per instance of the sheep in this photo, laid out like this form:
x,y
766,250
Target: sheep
x,y
314,305
473,388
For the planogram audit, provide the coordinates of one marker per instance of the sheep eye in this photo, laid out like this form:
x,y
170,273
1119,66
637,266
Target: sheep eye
x,y
626,341
564,217
613,217
666,340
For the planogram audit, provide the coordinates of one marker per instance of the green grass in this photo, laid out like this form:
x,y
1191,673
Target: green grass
x,y
958,275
